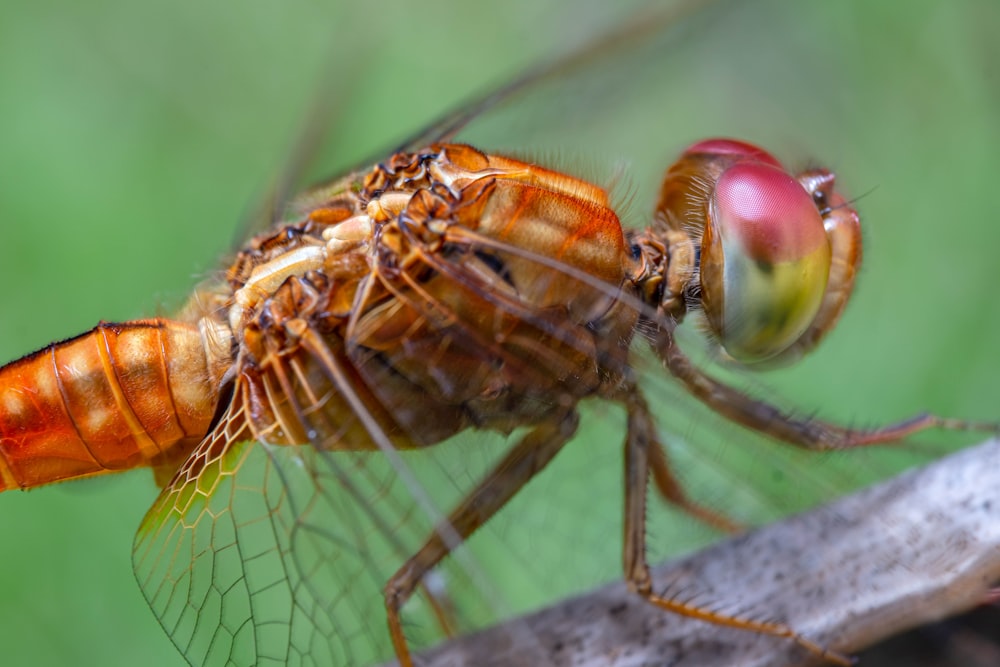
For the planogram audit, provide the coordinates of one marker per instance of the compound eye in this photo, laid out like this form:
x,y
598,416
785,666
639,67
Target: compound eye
x,y
765,260
734,149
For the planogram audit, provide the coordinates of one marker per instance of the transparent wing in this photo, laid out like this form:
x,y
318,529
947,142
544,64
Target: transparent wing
x,y
663,25
258,554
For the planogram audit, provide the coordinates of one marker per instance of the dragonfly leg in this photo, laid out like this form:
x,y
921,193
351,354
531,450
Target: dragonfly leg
x,y
526,459
768,419
640,441
442,607
671,490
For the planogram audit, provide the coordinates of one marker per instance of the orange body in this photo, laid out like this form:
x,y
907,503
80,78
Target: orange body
x,y
424,281
443,290
117,397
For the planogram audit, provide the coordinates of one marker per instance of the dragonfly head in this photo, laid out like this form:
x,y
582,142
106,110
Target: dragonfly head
x,y
777,262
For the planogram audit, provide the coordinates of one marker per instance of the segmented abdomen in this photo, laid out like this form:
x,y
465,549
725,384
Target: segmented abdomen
x,y
116,397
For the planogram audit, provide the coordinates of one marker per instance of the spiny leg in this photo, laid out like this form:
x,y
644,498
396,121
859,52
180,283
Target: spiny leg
x,y
526,459
672,491
765,418
640,437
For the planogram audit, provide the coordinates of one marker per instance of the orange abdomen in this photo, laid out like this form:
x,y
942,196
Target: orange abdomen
x,y
117,397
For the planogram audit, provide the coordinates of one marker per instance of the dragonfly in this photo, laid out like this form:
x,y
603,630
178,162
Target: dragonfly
x,y
661,166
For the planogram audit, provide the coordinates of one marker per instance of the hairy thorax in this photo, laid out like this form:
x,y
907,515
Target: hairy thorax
x,y
442,285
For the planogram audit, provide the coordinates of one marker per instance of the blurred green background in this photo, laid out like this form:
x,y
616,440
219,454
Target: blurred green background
x,y
134,138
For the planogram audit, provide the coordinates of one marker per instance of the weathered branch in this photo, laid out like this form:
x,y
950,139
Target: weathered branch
x,y
919,547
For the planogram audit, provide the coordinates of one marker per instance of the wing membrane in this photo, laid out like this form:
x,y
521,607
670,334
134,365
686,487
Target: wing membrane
x,y
261,554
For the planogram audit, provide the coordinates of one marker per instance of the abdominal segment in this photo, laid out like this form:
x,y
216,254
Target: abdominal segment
x,y
117,397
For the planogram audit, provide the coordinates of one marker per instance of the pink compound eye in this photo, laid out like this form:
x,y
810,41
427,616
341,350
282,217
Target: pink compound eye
x,y
734,148
765,259
768,212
